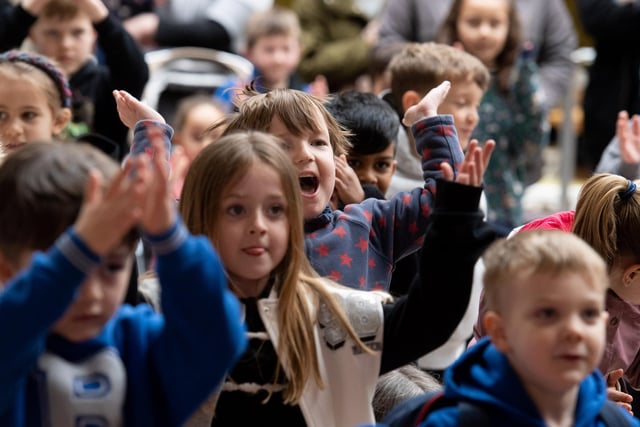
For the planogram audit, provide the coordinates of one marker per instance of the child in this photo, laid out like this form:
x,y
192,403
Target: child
x,y
546,319
77,357
607,217
414,71
511,111
66,31
622,155
357,247
273,47
194,115
316,348
35,100
373,127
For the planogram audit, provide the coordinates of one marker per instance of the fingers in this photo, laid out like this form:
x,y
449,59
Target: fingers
x,y
613,377
93,189
428,106
487,150
447,171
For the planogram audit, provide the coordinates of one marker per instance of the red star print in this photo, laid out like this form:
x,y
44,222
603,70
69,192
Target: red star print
x,y
362,244
406,199
323,250
340,231
378,287
382,222
425,210
367,215
413,228
345,259
335,276
426,153
362,282
372,263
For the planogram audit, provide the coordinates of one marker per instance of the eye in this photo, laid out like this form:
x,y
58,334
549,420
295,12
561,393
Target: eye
x,y
546,313
235,210
3,115
383,166
276,210
28,115
591,314
354,163
319,143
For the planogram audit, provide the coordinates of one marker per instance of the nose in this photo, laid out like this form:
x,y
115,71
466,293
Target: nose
x,y
90,292
66,41
258,224
472,116
11,130
302,153
367,176
574,328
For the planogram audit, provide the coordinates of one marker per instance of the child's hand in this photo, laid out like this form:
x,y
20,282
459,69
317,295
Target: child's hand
x,y
132,110
628,138
319,86
471,170
159,210
95,9
34,7
348,185
143,28
428,106
107,215
614,393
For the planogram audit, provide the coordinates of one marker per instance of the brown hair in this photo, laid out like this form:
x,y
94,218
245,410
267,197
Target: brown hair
x,y
532,252
42,187
297,110
608,217
277,21
25,72
60,9
506,59
211,174
422,66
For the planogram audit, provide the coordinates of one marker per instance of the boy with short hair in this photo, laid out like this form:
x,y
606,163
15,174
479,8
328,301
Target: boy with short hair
x,y
66,31
74,355
273,46
415,70
373,127
545,291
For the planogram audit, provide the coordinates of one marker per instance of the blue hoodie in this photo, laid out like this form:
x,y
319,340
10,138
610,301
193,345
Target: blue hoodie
x,y
483,375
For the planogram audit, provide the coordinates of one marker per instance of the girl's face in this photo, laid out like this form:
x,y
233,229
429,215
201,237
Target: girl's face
x,y
482,28
25,114
312,155
254,229
198,120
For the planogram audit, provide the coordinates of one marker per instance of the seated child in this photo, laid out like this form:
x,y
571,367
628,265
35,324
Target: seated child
x,y
66,31
67,230
414,71
373,127
35,100
273,47
546,320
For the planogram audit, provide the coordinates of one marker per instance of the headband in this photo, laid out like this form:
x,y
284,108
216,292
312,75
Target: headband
x,y
626,194
43,64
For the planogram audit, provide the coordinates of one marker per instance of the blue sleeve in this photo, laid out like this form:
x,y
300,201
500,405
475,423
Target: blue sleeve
x,y
447,417
399,223
141,143
32,302
203,333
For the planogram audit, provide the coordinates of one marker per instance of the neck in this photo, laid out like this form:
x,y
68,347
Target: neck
x,y
244,288
557,409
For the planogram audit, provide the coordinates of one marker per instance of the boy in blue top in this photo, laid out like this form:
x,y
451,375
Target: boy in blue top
x,y
545,290
74,355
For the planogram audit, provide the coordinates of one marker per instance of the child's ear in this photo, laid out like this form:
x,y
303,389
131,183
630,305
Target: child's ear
x,y
631,275
60,121
494,325
409,99
7,271
394,166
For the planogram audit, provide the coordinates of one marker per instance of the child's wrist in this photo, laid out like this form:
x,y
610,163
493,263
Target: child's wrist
x,y
169,240
74,246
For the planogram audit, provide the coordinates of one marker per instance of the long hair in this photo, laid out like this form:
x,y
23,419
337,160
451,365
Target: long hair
x,y
506,59
214,171
608,217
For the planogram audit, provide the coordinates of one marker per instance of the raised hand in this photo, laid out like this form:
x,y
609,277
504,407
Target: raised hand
x,y
471,169
428,106
348,185
95,9
159,210
107,215
628,138
131,110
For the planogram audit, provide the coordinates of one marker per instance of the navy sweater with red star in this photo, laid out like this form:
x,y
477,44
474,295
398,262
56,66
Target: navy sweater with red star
x,y
358,247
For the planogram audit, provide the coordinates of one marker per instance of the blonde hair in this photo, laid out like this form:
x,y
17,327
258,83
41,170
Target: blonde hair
x,y
608,217
532,252
211,174
277,21
422,66
297,110
23,71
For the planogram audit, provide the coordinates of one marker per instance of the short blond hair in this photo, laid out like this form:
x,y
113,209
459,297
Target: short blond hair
x,y
422,66
277,21
533,252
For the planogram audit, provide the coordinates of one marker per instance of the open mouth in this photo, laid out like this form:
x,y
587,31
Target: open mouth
x,y
308,184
